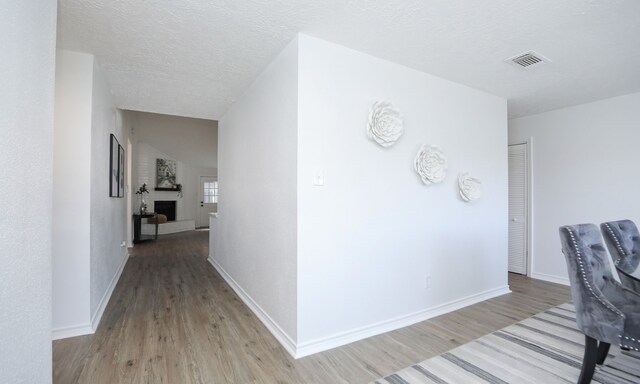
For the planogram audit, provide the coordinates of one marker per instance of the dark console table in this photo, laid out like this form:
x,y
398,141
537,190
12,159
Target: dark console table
x,y
138,237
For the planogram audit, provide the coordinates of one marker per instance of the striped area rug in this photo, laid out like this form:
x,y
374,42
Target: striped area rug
x,y
546,348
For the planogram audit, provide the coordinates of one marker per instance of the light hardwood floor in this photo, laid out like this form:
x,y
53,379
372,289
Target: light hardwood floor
x,y
173,319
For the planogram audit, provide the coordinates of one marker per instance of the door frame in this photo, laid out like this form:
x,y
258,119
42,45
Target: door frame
x,y
529,156
127,193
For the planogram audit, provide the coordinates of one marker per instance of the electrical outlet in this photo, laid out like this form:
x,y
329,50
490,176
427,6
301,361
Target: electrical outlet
x,y
427,282
123,244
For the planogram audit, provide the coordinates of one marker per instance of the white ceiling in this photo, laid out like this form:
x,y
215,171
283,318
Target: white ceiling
x,y
194,57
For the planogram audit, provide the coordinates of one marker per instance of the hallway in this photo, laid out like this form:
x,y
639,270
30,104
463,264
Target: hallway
x,y
172,319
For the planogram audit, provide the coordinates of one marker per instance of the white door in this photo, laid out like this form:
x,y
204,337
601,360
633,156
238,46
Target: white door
x,y
207,200
518,208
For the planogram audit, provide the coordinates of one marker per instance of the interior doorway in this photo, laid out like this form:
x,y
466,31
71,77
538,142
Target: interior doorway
x,y
519,208
207,200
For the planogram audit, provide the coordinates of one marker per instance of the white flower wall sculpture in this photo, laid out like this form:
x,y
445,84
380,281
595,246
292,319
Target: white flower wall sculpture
x,y
385,124
470,187
430,164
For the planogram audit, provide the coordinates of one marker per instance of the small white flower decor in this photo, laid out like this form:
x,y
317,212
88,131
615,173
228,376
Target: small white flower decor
x,y
470,187
430,164
385,124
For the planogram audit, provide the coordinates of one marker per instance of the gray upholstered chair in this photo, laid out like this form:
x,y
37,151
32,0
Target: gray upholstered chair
x,y
606,312
623,240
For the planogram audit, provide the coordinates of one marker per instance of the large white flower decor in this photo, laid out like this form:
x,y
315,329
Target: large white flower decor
x,y
385,124
430,164
470,187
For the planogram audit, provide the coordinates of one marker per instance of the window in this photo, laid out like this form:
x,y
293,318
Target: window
x,y
210,191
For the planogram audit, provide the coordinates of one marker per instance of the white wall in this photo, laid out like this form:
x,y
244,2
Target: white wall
x,y
194,141
585,165
108,214
72,193
369,237
350,258
27,38
88,225
256,229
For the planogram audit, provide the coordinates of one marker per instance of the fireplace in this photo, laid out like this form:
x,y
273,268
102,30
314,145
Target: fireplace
x,y
167,208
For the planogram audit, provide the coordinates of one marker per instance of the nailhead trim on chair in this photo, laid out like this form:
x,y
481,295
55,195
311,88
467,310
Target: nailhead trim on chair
x,y
584,275
618,245
628,346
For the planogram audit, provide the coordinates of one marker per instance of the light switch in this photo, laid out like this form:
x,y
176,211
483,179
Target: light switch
x,y
318,178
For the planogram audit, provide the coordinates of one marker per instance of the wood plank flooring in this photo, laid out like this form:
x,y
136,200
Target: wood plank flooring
x,y
173,319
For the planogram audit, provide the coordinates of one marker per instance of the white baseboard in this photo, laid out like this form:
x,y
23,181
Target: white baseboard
x,y
325,343
282,337
90,328
71,331
333,341
97,316
550,278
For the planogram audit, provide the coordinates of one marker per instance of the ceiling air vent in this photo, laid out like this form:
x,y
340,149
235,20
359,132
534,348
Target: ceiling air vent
x,y
528,60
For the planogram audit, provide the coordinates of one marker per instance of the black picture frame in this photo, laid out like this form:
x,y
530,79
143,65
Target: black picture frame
x,y
121,168
114,163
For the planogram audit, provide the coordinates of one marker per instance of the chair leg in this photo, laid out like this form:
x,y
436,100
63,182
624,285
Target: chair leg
x,y
603,351
589,360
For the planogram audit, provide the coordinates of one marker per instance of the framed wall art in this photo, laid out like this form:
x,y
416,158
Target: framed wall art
x,y
120,171
166,175
114,166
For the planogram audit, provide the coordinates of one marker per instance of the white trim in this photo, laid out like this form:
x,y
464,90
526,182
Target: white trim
x,y
90,328
530,206
97,316
550,278
72,331
282,337
342,338
127,187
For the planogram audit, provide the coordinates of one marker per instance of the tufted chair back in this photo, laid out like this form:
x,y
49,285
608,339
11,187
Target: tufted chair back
x,y
591,282
622,238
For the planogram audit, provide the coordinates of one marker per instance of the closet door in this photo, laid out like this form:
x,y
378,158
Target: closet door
x,y
518,208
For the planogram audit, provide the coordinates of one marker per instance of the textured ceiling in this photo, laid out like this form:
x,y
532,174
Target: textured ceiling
x,y
194,57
